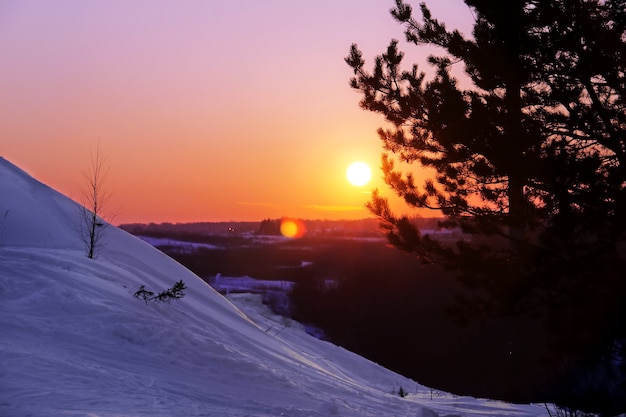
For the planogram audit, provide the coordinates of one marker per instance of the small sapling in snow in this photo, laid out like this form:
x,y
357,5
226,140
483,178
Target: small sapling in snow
x,y
176,292
143,293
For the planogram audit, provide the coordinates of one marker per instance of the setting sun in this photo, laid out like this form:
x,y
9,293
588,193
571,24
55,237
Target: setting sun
x,y
359,173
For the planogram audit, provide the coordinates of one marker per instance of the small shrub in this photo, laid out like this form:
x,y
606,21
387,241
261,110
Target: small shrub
x,y
401,392
144,294
564,411
176,292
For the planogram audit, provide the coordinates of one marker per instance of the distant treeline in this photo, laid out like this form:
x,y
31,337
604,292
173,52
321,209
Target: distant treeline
x,y
188,229
357,228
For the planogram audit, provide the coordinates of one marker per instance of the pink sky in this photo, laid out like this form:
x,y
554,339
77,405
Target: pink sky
x,y
206,110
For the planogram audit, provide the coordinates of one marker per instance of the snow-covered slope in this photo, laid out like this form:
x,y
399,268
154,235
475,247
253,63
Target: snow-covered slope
x,y
75,342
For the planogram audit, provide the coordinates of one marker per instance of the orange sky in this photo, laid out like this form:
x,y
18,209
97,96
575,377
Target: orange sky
x,y
205,110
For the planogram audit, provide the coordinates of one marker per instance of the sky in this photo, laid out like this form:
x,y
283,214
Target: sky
x,y
204,110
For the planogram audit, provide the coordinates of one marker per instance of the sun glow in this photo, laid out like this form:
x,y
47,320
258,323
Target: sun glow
x,y
359,174
292,228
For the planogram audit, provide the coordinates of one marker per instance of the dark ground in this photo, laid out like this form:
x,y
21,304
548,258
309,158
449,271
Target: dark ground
x,y
390,308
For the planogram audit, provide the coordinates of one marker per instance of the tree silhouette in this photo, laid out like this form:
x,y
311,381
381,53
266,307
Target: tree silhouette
x,y
528,152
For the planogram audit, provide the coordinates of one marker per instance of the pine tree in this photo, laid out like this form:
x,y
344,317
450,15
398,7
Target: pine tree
x,y
528,155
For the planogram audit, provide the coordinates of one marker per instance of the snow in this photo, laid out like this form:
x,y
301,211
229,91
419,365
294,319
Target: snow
x,y
179,246
75,342
249,284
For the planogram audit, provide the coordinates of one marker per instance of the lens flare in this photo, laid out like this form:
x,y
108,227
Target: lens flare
x,y
292,228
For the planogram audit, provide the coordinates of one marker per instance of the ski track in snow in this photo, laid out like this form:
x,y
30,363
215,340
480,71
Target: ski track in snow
x,y
75,342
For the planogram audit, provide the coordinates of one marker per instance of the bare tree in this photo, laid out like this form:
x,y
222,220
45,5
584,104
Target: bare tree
x,y
94,200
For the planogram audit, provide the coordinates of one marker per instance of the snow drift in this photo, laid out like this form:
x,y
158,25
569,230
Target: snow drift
x,y
75,342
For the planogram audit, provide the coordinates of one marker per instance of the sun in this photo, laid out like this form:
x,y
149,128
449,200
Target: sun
x,y
359,173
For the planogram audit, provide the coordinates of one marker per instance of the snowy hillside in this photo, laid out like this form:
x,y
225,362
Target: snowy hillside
x,y
75,342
